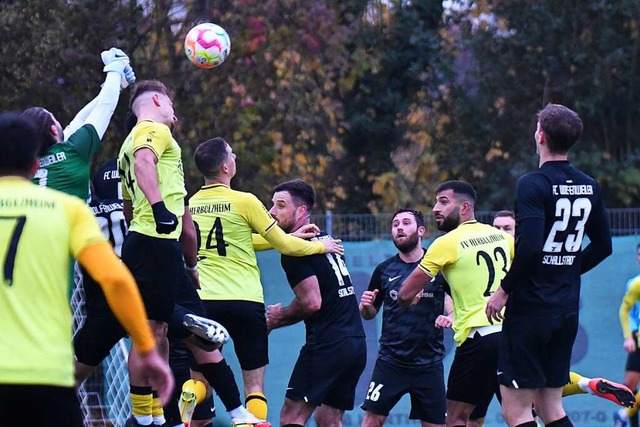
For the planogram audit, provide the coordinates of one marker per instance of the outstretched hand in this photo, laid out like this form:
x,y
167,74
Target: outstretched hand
x,y
307,231
333,246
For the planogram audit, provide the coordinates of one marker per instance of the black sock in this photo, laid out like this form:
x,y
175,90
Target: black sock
x,y
562,422
220,377
528,424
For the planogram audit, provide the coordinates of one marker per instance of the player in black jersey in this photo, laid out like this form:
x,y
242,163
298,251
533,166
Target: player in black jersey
x,y
411,344
555,207
334,355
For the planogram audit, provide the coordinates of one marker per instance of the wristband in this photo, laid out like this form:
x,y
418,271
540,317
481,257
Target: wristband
x,y
191,268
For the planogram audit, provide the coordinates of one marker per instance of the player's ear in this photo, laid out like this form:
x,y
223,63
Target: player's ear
x,y
421,230
34,167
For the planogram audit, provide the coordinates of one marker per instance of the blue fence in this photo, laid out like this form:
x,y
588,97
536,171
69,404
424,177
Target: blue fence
x,y
367,227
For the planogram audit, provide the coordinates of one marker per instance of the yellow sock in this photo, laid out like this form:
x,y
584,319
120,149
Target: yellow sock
x,y
198,388
572,386
157,411
632,411
256,403
142,404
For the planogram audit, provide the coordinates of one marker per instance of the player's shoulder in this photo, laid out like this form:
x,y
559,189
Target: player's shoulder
x,y
392,260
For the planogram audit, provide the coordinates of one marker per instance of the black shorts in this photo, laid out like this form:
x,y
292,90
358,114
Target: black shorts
x,y
425,386
472,378
247,325
535,351
633,359
100,330
180,361
155,263
327,374
187,302
93,342
39,406
480,411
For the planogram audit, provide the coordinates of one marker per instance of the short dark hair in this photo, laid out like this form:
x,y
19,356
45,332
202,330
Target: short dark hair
x,y
416,214
144,86
460,188
42,121
210,155
504,213
301,192
562,127
19,144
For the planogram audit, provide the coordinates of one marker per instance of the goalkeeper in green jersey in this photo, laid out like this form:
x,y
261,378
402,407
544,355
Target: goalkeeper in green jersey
x,y
65,155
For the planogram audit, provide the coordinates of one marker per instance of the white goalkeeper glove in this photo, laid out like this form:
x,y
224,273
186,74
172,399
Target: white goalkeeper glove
x,y
116,60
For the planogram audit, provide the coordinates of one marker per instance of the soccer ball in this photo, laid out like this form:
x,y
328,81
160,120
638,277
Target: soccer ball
x,y
207,45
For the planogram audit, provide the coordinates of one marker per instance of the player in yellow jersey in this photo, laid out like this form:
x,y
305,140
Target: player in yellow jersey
x,y
229,274
629,301
41,230
472,257
153,189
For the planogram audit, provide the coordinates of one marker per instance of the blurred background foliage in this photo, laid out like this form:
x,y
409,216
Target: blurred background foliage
x,y
373,101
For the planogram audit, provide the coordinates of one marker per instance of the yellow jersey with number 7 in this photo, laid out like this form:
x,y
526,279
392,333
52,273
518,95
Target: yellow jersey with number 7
x,y
41,231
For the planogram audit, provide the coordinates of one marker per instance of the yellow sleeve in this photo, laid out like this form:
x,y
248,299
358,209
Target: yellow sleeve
x,y
260,243
121,292
512,246
155,136
125,191
441,253
84,228
628,301
259,219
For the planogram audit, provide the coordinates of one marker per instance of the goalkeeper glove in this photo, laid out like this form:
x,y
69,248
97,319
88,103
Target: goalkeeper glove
x,y
116,60
166,222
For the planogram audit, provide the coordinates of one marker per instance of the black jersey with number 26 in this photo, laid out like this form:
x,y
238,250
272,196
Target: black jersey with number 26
x,y
338,316
560,205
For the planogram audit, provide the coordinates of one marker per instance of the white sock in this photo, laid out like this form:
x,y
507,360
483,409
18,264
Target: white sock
x,y
239,412
159,420
145,420
583,383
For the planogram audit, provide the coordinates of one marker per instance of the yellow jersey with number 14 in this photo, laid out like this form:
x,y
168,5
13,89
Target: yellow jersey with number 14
x,y
41,231
473,259
156,137
227,264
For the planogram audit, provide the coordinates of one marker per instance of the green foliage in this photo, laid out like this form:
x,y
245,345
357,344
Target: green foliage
x,y
374,102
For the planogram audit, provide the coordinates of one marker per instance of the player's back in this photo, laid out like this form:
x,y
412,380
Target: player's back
x,y
338,316
65,165
473,258
225,220
572,207
41,230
